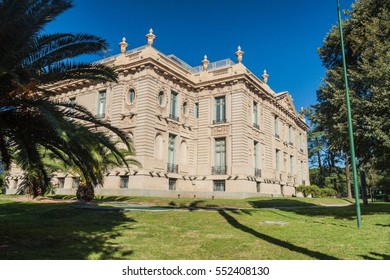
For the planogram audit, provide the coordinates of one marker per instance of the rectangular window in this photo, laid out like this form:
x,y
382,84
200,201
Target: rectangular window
x,y
256,158
290,134
124,182
172,184
75,183
219,110
196,110
220,157
61,182
219,185
172,166
173,109
277,159
255,115
291,165
101,109
276,126
302,173
300,142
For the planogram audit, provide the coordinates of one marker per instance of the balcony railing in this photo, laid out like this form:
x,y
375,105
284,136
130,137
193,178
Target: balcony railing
x,y
257,172
100,116
255,125
174,117
215,65
172,168
219,121
218,170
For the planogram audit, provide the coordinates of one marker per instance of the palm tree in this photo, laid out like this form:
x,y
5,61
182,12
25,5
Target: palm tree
x,y
32,123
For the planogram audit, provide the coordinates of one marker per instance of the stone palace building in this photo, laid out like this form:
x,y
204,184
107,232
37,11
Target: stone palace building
x,y
214,130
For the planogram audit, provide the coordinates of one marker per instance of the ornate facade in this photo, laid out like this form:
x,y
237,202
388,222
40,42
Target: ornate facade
x,y
215,130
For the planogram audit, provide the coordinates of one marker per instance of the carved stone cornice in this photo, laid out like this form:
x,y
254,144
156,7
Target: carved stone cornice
x,y
174,126
220,130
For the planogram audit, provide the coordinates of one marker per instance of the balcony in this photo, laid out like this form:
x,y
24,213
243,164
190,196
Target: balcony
x,y
218,170
172,168
257,172
174,117
219,121
255,125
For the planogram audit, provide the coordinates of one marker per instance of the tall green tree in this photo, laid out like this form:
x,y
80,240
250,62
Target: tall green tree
x,y
367,46
31,121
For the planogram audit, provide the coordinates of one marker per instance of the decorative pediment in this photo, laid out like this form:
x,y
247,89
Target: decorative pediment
x,y
285,99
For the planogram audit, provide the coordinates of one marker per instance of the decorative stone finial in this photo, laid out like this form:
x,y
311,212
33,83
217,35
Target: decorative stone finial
x,y
150,36
123,45
265,76
239,53
205,63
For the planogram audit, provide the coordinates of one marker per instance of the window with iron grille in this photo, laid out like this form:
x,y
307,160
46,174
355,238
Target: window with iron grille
x,y
172,184
173,109
124,182
219,157
219,185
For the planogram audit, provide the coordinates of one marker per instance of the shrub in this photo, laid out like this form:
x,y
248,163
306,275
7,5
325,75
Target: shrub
x,y
2,184
327,192
315,191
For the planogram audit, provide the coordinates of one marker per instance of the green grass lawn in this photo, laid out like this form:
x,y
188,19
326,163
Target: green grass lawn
x,y
32,230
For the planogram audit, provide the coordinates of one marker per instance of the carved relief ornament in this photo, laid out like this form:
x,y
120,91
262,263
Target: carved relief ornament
x,y
220,130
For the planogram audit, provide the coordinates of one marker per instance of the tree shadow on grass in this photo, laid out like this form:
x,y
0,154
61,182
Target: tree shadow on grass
x,y
382,225
57,232
313,254
341,212
376,256
279,203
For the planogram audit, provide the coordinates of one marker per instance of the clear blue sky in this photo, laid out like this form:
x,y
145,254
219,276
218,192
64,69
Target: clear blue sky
x,y
281,36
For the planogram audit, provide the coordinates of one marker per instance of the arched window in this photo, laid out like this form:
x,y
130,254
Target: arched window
x,y
131,96
185,108
183,152
158,147
161,99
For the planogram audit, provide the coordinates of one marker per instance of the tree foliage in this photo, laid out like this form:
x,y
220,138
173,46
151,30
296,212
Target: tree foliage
x,y
367,47
32,124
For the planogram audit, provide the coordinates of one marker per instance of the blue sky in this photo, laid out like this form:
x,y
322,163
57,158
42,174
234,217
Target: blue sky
x,y
280,36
